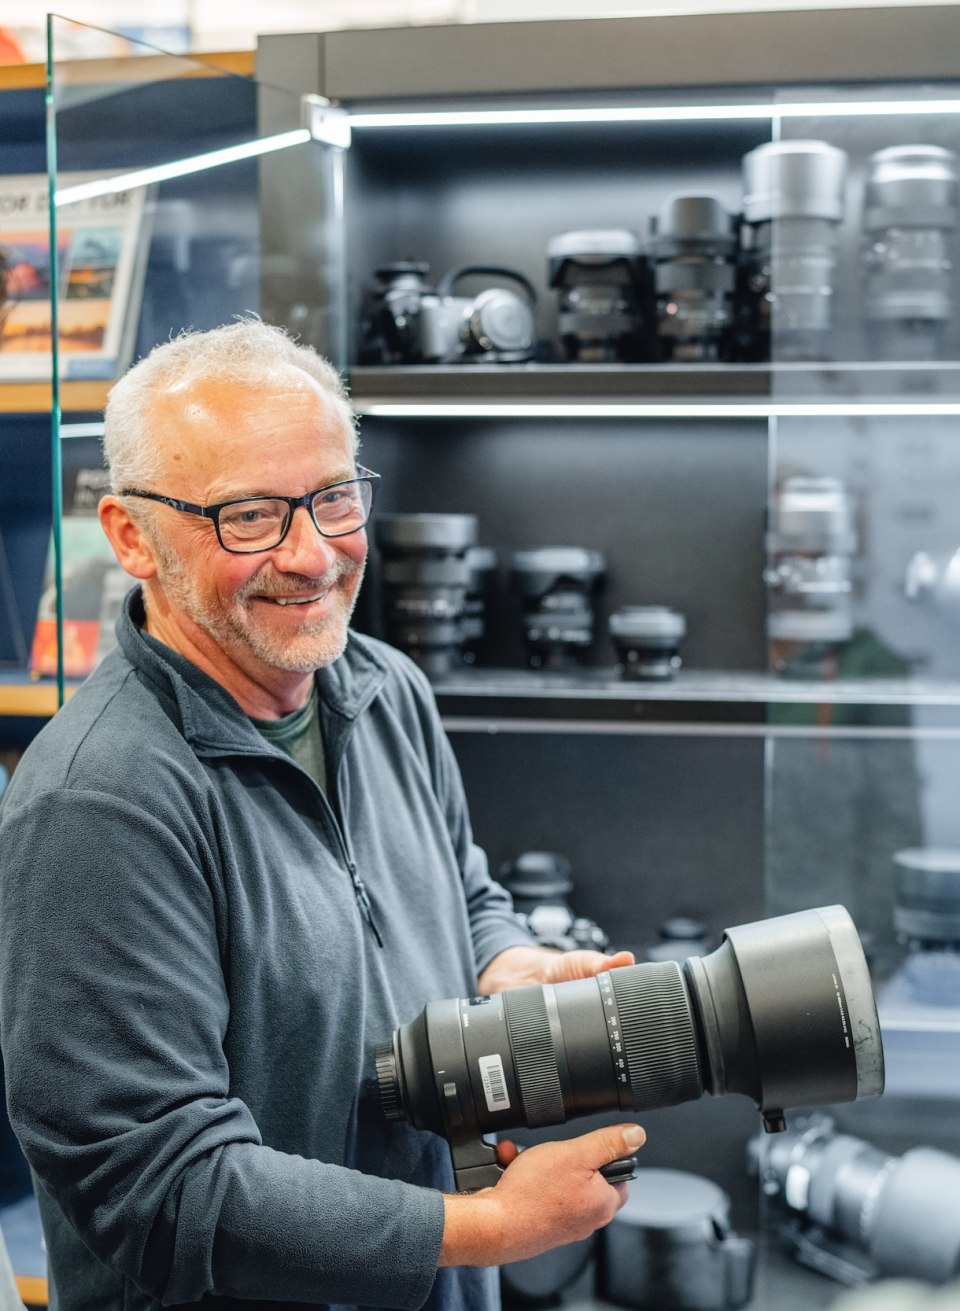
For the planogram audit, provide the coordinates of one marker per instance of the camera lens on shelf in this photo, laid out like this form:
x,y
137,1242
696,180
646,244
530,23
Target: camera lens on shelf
x,y
482,563
426,577
672,1246
557,586
926,916
679,937
694,249
646,639
933,579
857,1213
600,277
390,327
810,545
793,206
910,212
540,883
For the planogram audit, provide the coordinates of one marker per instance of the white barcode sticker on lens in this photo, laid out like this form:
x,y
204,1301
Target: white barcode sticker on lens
x,y
494,1084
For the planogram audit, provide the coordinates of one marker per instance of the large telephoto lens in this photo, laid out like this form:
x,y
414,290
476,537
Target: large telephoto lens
x,y
782,1012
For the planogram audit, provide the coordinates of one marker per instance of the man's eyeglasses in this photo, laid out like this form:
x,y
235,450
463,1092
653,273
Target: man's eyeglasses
x,y
259,523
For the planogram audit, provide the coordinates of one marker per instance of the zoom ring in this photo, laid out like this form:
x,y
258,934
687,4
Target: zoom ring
x,y
658,1035
534,1056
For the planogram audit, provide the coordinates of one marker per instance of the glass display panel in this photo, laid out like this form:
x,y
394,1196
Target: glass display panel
x,y
168,182
851,217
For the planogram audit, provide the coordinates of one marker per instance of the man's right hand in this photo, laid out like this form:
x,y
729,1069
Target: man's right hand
x,y
549,1195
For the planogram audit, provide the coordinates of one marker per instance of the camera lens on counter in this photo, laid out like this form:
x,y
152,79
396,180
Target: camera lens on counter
x,y
857,1213
694,249
671,1246
769,1014
426,577
810,545
557,586
646,639
793,206
910,212
600,277
540,883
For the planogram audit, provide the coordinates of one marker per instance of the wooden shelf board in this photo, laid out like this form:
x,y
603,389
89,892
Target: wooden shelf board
x,y
36,397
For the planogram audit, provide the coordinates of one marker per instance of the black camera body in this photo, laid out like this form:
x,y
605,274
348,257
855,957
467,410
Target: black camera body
x,y
408,321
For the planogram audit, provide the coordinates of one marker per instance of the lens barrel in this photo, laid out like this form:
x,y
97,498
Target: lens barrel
x,y
782,1012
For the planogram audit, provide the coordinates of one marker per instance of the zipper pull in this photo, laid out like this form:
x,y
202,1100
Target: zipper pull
x,y
360,889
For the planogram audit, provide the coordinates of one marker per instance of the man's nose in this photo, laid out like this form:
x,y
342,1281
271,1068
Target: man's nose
x,y
304,549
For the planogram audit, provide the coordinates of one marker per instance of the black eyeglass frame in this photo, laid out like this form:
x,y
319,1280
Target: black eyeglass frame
x,y
212,512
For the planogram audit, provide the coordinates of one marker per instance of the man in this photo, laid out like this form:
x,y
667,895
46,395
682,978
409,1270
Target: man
x,y
234,862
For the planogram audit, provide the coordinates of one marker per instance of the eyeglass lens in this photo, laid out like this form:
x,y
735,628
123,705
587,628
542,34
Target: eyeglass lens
x,y
260,524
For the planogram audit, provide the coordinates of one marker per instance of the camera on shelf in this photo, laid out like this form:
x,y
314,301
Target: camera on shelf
x,y
406,321
856,1213
694,251
600,277
810,545
793,206
426,577
647,640
911,206
539,883
557,586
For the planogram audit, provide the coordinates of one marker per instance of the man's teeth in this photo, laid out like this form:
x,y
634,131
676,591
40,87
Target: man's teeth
x,y
297,600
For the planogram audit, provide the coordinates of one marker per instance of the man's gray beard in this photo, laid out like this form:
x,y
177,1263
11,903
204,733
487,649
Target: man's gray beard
x,y
313,647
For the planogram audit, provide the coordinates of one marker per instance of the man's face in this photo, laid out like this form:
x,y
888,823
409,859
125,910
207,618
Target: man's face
x,y
281,610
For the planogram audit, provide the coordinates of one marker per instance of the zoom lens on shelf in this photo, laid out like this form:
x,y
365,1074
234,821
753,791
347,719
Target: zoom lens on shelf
x,y
793,206
694,248
557,586
426,578
910,213
647,639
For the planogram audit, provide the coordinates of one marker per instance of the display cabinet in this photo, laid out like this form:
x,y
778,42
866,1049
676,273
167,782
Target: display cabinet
x,y
791,490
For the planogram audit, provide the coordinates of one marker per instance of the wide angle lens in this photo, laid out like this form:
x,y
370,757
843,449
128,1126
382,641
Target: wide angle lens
x,y
782,1012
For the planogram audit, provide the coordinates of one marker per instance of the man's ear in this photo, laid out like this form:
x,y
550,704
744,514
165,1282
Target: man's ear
x,y
127,538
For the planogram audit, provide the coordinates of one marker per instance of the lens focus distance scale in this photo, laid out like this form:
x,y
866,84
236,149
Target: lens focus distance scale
x,y
658,1035
533,1053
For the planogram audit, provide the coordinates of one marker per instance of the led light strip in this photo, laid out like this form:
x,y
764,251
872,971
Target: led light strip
x,y
642,410
141,177
654,113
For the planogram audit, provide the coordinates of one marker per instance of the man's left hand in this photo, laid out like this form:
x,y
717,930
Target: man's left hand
x,y
518,967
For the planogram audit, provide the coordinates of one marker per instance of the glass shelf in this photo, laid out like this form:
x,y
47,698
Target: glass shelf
x,y
735,390
703,697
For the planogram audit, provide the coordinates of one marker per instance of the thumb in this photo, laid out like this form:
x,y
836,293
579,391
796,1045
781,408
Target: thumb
x,y
610,1143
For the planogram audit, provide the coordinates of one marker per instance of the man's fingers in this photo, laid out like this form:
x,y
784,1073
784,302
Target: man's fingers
x,y
507,1151
609,1144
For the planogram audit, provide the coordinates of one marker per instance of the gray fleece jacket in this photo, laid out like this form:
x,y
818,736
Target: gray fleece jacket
x,y
192,984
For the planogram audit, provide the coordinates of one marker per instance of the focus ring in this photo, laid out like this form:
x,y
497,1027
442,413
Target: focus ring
x,y
658,1035
534,1056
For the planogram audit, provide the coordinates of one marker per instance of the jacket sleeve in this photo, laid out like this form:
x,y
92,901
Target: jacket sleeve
x,y
114,1010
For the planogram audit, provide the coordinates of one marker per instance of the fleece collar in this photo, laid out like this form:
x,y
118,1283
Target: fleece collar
x,y
210,719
